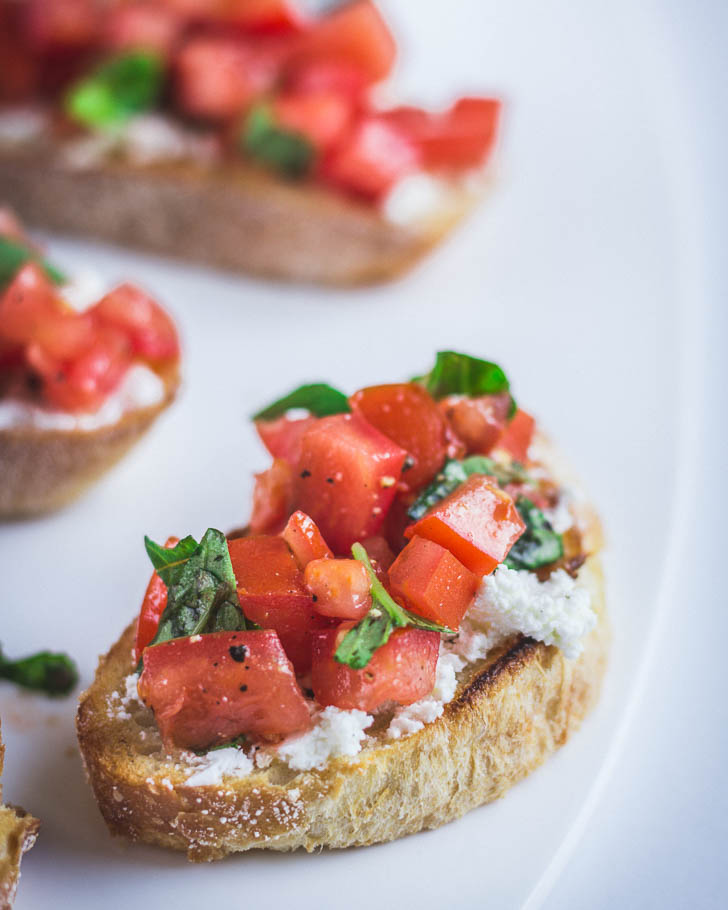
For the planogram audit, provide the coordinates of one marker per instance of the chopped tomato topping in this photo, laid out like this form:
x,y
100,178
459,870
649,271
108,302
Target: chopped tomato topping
x,y
264,15
402,670
150,330
340,77
145,25
517,436
207,689
432,583
27,302
272,593
340,587
380,555
62,22
478,522
155,600
305,539
478,422
409,416
272,498
322,117
346,478
282,437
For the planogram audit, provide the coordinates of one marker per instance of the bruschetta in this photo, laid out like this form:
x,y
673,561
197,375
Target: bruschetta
x,y
18,832
241,134
413,620
77,387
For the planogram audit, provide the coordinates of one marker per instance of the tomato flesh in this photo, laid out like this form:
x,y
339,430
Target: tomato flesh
x,y
150,330
272,498
304,539
28,300
155,600
517,436
207,689
346,478
380,555
402,670
282,436
478,523
340,587
321,117
272,593
336,76
409,416
432,583
145,26
477,422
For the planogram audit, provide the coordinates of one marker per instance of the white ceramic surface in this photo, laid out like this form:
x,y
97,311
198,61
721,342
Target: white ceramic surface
x,y
570,275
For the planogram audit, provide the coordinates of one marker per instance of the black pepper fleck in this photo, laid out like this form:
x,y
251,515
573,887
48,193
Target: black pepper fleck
x,y
238,653
305,474
243,688
329,480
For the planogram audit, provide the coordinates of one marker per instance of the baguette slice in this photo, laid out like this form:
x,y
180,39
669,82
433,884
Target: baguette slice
x,y
232,215
42,470
18,832
510,711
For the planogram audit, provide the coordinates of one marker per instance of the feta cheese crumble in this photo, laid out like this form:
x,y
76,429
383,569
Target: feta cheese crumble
x,y
229,762
557,611
334,733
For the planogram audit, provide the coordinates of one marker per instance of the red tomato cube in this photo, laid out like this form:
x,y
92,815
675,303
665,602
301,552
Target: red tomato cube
x,y
145,25
321,117
432,583
402,670
328,76
272,593
409,416
150,330
346,478
272,498
305,539
517,436
27,302
478,422
207,689
62,22
282,437
478,522
380,555
340,587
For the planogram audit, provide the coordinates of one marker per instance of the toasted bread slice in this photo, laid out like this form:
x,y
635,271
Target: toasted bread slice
x,y
231,215
42,470
18,832
510,711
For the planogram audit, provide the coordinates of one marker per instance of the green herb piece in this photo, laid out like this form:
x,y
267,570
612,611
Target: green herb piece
x,y
360,642
170,561
455,472
539,544
318,398
285,151
13,255
461,374
46,671
232,743
202,590
118,89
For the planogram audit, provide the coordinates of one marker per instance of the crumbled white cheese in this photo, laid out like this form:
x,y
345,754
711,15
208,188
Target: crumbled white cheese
x,y
560,517
19,125
119,702
140,388
334,733
212,767
417,197
557,611
83,289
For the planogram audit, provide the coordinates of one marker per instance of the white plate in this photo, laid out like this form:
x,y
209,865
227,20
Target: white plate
x,y
569,275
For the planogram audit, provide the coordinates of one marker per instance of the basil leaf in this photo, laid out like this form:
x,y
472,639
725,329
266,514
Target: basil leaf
x,y
317,397
460,374
539,544
360,643
46,671
202,595
118,89
285,151
170,561
13,255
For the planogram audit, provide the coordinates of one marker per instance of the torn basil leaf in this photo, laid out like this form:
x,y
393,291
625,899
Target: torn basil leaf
x,y
170,561
14,255
46,671
201,591
116,90
283,150
318,398
461,374
539,544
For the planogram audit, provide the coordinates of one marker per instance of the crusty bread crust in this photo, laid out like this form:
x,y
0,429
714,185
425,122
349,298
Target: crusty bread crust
x,y
42,470
18,832
510,712
233,215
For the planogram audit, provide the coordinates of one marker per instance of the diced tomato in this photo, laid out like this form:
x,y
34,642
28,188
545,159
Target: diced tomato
x,y
346,478
371,159
272,498
63,22
402,670
305,539
26,303
478,422
321,117
397,521
460,138
150,330
207,689
282,437
264,15
517,436
380,555
338,76
478,522
340,587
218,76
432,583
354,33
155,600
272,593
409,416
144,25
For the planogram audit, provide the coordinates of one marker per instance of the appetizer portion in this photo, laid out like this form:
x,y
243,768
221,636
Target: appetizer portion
x,y
78,387
18,832
241,133
412,621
